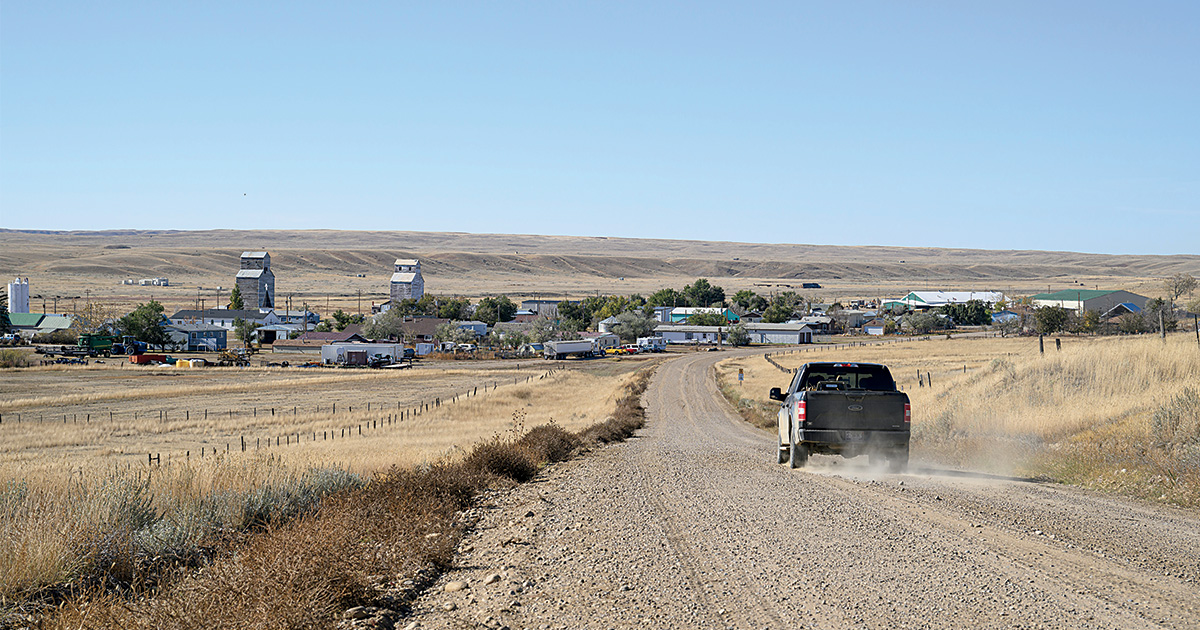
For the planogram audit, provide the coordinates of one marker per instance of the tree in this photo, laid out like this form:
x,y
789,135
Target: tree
x,y
451,333
1178,285
495,309
783,307
453,308
145,324
1050,319
235,299
386,325
972,313
667,297
244,331
342,319
738,335
1160,310
921,323
708,319
633,324
542,330
5,322
701,293
94,317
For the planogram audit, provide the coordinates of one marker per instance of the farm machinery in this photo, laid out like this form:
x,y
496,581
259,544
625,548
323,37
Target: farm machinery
x,y
237,357
97,344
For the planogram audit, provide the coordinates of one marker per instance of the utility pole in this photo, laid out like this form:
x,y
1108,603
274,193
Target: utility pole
x,y
360,301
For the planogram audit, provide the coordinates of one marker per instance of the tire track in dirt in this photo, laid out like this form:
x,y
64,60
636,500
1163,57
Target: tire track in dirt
x,y
692,524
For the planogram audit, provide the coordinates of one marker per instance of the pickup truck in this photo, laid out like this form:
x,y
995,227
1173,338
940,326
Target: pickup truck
x,y
848,409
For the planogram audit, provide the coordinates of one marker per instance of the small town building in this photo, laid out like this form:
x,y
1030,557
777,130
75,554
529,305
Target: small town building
x,y
475,326
875,327
407,283
256,281
29,324
922,300
525,316
1080,300
544,308
682,313
197,337
607,323
786,333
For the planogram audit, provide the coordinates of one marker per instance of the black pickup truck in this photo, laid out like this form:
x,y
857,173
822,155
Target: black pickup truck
x,y
848,409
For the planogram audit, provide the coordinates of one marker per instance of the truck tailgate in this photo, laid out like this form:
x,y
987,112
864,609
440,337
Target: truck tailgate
x,y
855,410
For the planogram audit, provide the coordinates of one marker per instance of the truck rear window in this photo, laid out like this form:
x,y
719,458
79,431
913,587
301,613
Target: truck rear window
x,y
874,378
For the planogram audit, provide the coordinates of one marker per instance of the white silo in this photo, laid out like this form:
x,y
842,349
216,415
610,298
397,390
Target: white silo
x,y
18,296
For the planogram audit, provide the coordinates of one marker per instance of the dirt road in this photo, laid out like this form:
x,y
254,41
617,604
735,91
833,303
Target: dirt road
x,y
693,525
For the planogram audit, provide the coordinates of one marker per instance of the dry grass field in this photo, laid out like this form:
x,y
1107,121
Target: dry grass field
x,y
1119,413
322,267
64,483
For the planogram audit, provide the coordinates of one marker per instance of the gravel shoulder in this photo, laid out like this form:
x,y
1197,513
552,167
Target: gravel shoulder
x,y
691,524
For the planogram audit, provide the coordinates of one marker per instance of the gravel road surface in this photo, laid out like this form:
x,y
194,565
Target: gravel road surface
x,y
691,524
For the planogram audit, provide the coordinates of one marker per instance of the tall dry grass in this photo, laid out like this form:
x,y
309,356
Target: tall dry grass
x,y
377,544
84,526
1080,414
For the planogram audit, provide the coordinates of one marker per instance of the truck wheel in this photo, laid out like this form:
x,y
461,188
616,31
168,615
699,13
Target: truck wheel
x,y
898,460
784,453
798,455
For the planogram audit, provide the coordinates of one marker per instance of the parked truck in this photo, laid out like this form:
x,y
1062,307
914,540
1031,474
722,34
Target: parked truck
x,y
848,409
562,349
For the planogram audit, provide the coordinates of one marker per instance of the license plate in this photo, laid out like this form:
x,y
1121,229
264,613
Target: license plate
x,y
857,436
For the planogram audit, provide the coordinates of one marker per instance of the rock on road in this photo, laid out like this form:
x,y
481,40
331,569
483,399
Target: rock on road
x,y
692,524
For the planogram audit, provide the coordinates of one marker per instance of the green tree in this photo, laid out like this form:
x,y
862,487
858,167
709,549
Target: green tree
x,y
450,332
235,299
702,293
1131,323
1050,319
146,323
5,322
750,301
542,330
386,325
245,331
972,313
708,319
342,319
495,309
453,308
738,335
922,323
633,324
1160,310
667,297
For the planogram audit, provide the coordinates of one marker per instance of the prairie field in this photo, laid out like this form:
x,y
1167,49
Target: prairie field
x,y
1116,413
65,483
72,419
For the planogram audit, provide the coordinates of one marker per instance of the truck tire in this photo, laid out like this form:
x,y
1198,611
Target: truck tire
x,y
797,455
898,460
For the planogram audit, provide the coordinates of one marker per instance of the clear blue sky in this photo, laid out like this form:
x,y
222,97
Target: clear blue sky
x,y
1002,125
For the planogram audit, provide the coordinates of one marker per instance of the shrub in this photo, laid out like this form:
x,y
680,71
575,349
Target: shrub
x,y
549,443
10,358
502,458
1178,421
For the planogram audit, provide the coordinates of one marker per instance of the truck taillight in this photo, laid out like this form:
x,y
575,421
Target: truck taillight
x,y
907,412
801,411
